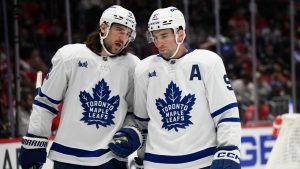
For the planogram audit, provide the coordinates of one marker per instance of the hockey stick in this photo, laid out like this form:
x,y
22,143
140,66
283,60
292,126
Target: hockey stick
x,y
38,84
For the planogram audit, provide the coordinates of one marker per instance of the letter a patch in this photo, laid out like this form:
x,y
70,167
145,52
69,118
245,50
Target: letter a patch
x,y
195,73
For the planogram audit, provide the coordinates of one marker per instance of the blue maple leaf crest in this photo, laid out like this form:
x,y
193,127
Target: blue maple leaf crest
x,y
175,111
100,108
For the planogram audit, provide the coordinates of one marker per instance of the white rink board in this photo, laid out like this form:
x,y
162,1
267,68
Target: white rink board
x,y
256,147
257,144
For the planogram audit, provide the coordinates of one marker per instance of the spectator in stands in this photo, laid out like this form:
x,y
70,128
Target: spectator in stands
x,y
243,89
238,23
4,101
263,88
264,111
272,35
248,115
24,114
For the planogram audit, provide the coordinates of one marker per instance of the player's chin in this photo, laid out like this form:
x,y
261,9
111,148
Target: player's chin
x,y
164,52
166,55
117,51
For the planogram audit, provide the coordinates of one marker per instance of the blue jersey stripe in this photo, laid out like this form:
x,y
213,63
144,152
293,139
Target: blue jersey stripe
x,y
45,106
166,159
141,119
233,119
223,109
77,152
41,94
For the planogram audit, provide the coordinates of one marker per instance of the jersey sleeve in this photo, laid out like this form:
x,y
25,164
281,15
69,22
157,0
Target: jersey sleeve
x,y
223,105
45,104
129,94
130,121
140,98
140,105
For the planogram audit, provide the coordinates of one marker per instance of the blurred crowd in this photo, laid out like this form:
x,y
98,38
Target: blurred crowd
x,y
43,30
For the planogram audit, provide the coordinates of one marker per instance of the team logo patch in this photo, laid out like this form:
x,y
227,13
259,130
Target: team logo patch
x,y
83,64
99,109
155,16
175,111
152,74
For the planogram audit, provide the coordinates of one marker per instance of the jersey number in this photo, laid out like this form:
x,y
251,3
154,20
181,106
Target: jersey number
x,y
227,81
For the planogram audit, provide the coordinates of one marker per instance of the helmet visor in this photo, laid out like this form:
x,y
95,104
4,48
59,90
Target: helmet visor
x,y
132,36
149,37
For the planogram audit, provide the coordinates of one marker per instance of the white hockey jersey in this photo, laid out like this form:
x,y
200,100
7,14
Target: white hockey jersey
x,y
97,93
189,108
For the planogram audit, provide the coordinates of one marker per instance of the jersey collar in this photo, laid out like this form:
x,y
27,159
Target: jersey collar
x,y
189,51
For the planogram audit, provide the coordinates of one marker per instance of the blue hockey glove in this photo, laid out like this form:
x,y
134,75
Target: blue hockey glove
x,y
226,157
33,152
125,142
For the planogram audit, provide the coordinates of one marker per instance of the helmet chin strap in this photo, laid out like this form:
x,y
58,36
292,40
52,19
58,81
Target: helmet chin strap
x,y
178,44
104,47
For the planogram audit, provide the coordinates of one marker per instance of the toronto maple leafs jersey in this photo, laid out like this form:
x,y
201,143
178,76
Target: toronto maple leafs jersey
x,y
189,108
97,93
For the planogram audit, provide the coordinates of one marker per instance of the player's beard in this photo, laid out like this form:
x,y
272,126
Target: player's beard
x,y
114,47
166,52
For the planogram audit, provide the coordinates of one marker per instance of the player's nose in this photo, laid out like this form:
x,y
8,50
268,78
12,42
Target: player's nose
x,y
159,43
123,36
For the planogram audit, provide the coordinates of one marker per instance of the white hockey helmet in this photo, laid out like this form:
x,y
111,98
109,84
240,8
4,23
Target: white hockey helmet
x,y
165,18
120,15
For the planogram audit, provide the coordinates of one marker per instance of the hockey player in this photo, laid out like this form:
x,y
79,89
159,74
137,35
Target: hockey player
x,y
95,82
185,100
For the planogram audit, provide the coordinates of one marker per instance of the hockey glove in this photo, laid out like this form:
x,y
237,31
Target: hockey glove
x,y
138,163
226,157
125,142
33,151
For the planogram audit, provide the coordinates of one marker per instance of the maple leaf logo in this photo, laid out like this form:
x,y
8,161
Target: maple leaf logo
x,y
175,111
100,108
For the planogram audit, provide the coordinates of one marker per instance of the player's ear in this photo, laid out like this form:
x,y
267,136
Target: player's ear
x,y
181,35
102,28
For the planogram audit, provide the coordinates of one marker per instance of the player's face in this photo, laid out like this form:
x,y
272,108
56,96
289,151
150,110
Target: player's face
x,y
117,38
165,42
